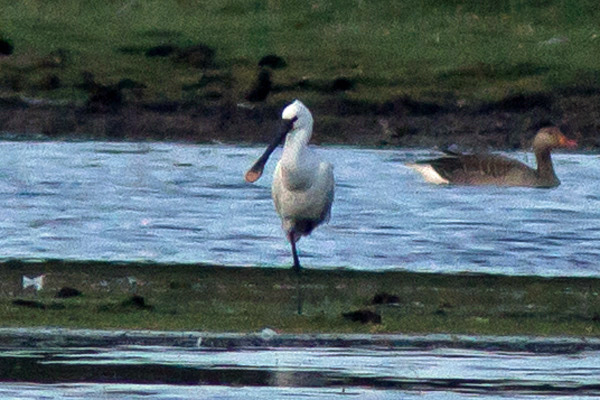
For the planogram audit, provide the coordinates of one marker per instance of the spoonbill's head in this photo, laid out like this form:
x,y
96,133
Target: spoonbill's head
x,y
296,123
300,115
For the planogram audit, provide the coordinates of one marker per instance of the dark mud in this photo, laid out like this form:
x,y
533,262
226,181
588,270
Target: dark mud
x,y
32,338
404,122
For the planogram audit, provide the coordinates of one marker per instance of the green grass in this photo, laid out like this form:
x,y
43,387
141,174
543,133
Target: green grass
x,y
470,49
220,299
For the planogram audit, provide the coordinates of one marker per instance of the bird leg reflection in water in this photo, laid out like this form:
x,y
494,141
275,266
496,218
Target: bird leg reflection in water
x,y
303,184
296,267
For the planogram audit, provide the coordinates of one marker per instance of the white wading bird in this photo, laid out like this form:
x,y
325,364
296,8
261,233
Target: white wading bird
x,y
302,183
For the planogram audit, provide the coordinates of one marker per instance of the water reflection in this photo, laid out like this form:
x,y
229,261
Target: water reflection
x,y
159,372
168,392
189,203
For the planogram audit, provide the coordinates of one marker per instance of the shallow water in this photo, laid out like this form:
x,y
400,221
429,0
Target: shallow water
x,y
302,373
189,203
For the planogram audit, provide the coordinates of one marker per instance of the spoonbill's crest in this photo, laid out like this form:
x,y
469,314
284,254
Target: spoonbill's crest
x,y
301,116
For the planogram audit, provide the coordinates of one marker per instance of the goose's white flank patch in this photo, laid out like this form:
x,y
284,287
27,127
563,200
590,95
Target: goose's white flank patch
x,y
429,174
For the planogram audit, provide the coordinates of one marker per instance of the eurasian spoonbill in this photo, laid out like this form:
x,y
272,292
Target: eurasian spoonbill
x,y
303,184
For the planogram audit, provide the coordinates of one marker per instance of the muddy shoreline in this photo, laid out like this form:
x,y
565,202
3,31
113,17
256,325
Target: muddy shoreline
x,y
19,338
403,122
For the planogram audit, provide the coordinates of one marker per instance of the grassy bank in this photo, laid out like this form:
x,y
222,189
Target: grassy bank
x,y
213,298
390,48
404,64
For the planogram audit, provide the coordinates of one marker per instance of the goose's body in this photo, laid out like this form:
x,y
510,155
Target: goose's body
x,y
489,169
303,184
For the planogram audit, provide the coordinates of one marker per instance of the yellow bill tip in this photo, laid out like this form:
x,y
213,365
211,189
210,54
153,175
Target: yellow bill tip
x,y
252,176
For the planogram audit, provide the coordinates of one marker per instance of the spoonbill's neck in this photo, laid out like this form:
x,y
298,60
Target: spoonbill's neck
x,y
296,144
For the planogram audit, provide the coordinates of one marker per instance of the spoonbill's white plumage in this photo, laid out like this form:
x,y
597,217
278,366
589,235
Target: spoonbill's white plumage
x,y
303,184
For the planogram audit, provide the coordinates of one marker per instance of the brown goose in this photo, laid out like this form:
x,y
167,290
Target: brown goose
x,y
487,169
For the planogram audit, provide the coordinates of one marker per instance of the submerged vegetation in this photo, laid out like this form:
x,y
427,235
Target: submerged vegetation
x,y
186,60
221,299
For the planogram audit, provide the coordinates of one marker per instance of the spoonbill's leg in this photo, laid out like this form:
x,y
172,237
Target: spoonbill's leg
x,y
296,267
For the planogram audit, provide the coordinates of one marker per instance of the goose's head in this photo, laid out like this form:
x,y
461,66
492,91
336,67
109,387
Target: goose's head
x,y
296,124
551,137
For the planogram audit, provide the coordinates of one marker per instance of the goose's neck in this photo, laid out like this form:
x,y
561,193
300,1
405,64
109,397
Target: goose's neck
x,y
545,169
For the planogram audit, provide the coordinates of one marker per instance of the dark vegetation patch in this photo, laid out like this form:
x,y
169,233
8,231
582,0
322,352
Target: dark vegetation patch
x,y
350,107
205,80
408,105
198,56
136,302
363,316
34,304
132,50
6,48
50,82
132,303
104,99
12,82
211,95
163,107
272,61
385,298
127,83
176,285
519,103
501,71
29,304
580,90
342,84
542,123
66,292
9,103
262,87
443,309
325,87
88,81
163,50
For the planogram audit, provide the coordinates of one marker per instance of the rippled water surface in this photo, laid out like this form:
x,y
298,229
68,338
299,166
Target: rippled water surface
x,y
189,203
299,373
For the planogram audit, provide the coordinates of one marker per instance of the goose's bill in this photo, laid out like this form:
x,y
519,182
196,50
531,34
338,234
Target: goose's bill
x,y
256,170
567,143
